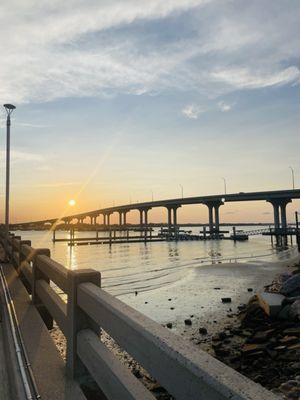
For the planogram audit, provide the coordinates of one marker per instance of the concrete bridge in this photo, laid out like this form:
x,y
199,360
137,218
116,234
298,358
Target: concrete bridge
x,y
279,199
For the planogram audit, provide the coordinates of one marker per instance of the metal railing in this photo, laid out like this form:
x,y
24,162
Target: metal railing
x,y
184,371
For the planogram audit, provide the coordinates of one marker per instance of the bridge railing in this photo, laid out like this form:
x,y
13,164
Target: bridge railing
x,y
185,372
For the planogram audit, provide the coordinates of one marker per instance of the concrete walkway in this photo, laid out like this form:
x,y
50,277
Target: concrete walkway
x,y
4,380
47,365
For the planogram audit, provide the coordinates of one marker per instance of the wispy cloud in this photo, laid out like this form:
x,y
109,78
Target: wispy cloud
x,y
224,107
192,111
222,46
57,184
244,78
22,156
31,125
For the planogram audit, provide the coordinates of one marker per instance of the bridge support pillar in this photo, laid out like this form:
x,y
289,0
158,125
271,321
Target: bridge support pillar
x,y
280,220
144,216
124,218
214,217
120,218
141,217
172,219
169,218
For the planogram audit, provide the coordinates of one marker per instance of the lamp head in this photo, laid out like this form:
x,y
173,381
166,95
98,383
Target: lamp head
x,y
9,108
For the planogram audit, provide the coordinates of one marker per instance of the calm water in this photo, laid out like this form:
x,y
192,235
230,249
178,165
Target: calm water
x,y
127,268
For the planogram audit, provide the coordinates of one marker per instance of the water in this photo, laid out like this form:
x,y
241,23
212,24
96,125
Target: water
x,y
127,268
182,271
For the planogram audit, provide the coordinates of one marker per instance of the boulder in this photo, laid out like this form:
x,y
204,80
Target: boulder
x,y
295,310
291,285
284,313
270,302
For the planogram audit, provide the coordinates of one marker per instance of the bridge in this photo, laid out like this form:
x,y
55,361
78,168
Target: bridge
x,y
279,199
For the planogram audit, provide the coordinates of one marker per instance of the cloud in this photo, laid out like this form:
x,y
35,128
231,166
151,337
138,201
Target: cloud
x,y
244,78
192,111
91,48
224,107
30,125
58,184
21,156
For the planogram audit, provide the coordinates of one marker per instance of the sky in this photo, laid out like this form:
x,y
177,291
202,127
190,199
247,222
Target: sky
x,y
118,101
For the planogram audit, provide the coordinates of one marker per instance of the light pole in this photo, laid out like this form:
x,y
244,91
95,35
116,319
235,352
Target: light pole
x,y
225,188
181,190
9,109
293,176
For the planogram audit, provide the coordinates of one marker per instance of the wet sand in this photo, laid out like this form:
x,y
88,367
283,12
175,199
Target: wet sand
x,y
198,295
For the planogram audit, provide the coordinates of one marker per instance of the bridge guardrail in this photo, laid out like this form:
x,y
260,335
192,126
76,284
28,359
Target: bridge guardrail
x,y
185,372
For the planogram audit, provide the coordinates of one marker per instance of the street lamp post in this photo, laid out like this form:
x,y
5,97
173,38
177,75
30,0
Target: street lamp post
x,y
293,177
9,109
225,188
181,190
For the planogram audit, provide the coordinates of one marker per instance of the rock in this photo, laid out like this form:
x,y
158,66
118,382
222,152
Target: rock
x,y
292,331
295,365
136,372
291,285
262,336
222,352
295,310
294,393
284,313
203,331
287,340
295,346
251,348
222,335
169,325
188,321
270,302
226,299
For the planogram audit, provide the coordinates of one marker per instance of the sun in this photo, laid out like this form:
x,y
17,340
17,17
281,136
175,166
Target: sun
x,y
72,202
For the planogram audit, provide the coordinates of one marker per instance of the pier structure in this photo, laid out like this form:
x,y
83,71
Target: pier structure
x,y
279,199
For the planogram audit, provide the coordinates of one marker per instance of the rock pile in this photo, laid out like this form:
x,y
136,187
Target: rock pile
x,y
265,344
